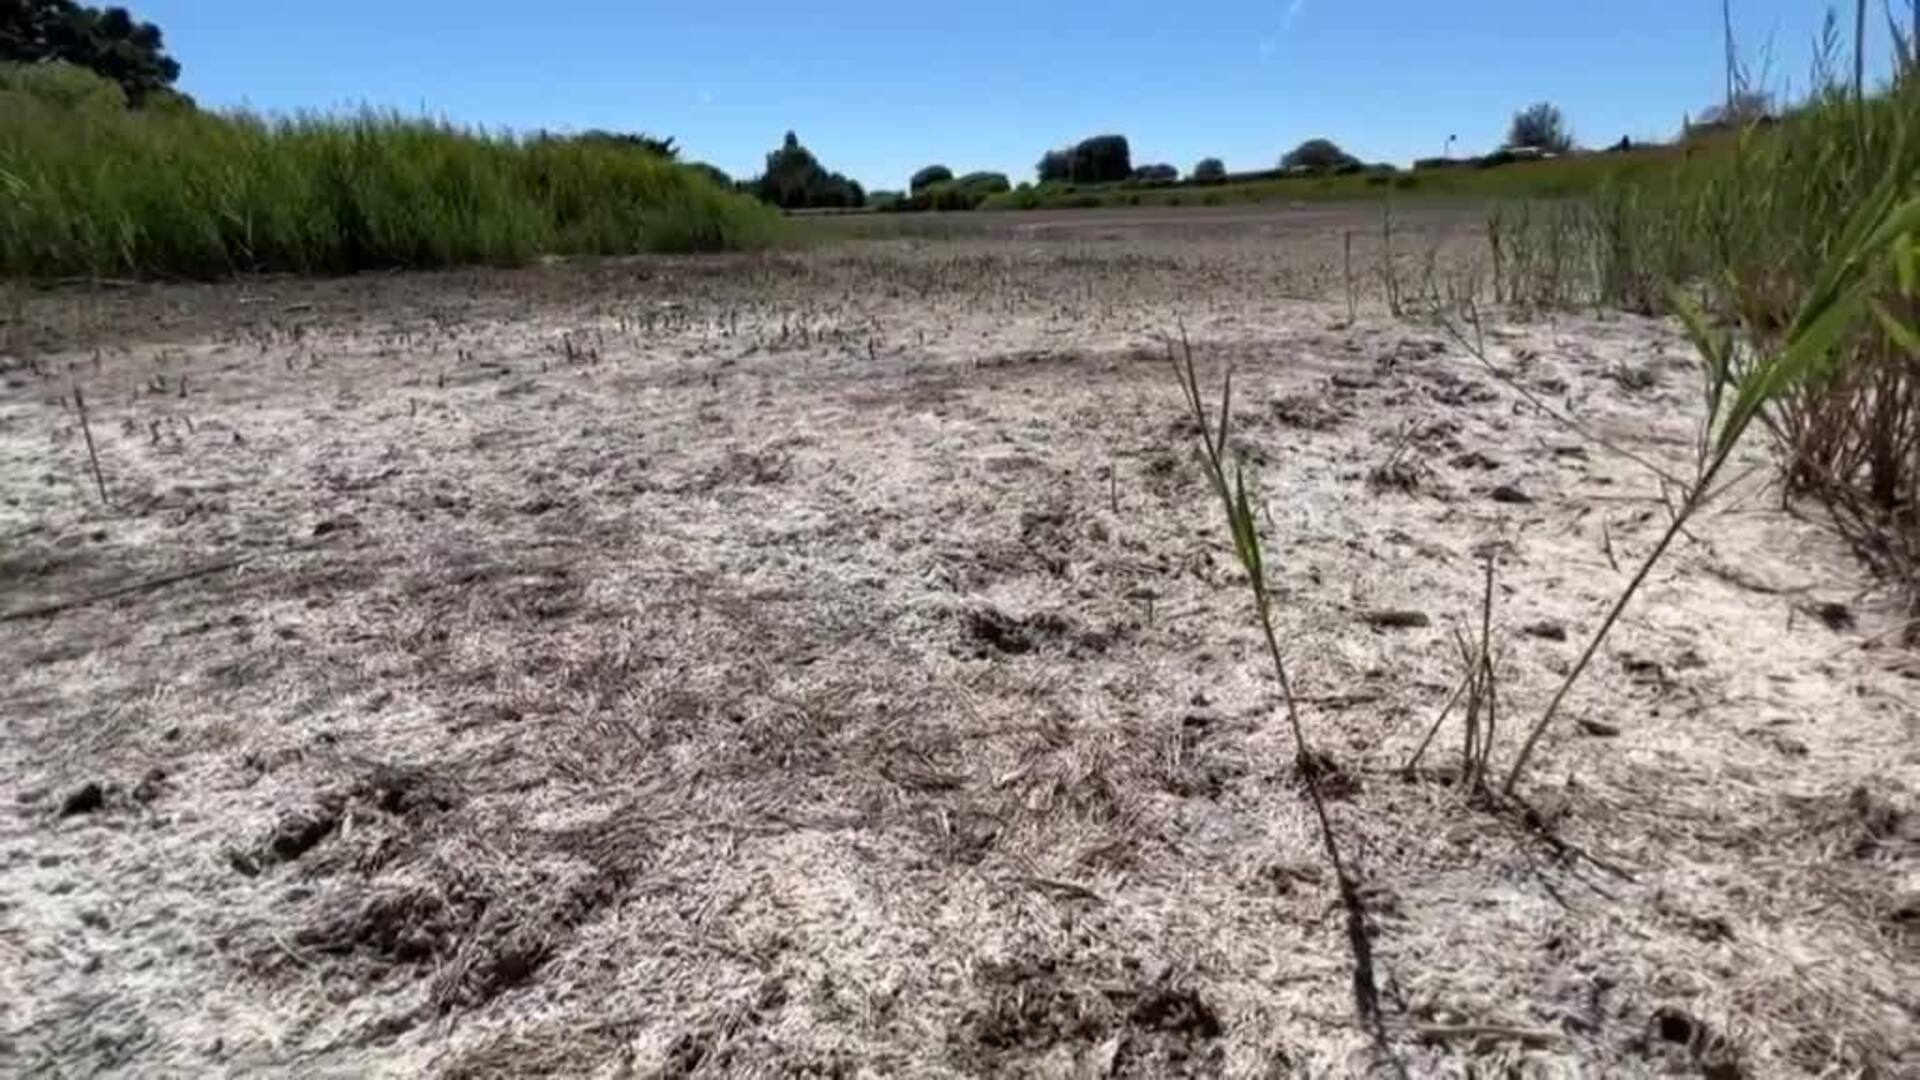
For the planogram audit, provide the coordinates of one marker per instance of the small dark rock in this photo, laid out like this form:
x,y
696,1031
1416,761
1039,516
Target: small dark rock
x,y
1599,728
1474,459
1197,721
1177,1011
1836,616
1334,781
334,525
1392,619
1547,630
1509,493
1905,908
298,834
1673,1026
84,799
1643,670
149,787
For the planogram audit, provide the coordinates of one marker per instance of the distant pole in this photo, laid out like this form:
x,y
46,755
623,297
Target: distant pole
x,y
1726,22
1448,152
1860,54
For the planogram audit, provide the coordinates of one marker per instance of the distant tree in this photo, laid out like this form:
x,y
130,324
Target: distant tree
x,y
1541,127
1319,155
1102,159
106,41
985,183
1745,107
1210,171
629,141
794,179
1155,174
929,176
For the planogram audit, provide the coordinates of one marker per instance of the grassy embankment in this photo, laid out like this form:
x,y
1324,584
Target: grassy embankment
x,y
89,187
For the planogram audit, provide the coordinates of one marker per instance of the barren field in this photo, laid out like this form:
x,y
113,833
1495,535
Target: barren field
x,y
834,663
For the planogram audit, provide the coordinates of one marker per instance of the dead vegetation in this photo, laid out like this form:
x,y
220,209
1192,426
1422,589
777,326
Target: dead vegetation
x,y
831,663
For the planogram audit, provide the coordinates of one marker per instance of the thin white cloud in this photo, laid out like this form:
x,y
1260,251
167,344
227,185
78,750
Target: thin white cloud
x,y
1294,8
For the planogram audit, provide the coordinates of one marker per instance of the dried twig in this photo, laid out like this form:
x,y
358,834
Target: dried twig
x,y
93,455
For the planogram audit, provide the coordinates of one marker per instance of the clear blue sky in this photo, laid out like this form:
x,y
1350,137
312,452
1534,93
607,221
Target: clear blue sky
x,y
877,89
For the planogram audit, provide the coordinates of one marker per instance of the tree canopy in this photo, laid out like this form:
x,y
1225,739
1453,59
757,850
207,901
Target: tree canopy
x,y
1099,160
794,179
986,183
1541,127
1320,155
108,41
641,141
929,176
1210,171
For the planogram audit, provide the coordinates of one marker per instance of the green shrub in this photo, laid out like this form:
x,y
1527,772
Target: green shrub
x,y
62,86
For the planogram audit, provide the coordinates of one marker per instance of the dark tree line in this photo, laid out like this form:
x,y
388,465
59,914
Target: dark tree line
x,y
1099,160
794,180
108,41
936,188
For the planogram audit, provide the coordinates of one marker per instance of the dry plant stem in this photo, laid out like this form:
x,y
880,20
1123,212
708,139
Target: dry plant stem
x,y
126,590
1238,507
1476,345
93,455
1347,264
1478,769
1413,760
1626,596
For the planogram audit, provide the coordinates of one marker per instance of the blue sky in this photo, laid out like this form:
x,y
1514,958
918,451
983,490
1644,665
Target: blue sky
x,y
878,89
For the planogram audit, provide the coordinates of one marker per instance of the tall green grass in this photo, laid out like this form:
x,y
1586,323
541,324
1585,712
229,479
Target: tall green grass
x,y
90,189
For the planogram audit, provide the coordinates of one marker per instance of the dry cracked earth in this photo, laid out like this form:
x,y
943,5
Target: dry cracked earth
x,y
833,662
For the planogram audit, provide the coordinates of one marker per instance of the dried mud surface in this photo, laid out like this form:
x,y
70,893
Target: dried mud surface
x,y
831,663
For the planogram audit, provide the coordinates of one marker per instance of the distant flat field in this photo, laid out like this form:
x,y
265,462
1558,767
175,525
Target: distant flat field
x,y
832,663
1322,221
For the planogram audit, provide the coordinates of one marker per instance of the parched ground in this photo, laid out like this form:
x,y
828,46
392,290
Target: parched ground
x,y
832,663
